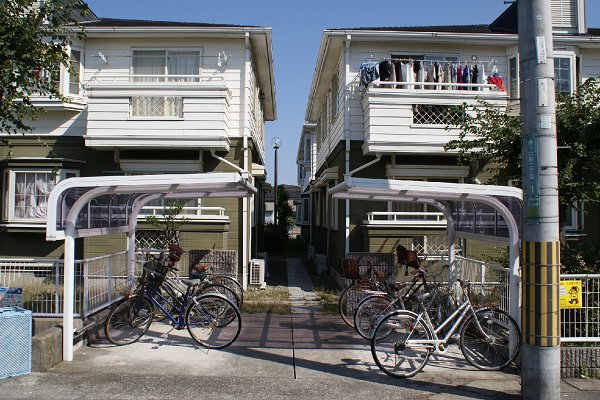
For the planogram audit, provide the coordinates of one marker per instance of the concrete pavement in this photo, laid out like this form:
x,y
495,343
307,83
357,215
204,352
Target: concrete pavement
x,y
305,355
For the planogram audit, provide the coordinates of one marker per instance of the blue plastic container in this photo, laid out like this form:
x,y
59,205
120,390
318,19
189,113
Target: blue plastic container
x,y
15,341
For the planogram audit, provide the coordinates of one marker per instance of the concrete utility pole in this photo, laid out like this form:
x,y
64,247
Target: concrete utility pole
x,y
540,255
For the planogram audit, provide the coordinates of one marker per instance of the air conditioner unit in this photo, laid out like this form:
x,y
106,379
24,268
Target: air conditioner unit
x,y
257,272
320,263
263,256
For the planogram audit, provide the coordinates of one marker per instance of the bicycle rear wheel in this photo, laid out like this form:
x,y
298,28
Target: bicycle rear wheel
x,y
221,289
369,311
393,348
213,321
490,339
129,320
232,284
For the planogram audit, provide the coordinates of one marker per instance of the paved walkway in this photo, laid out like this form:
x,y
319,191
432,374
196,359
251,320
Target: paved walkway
x,y
305,355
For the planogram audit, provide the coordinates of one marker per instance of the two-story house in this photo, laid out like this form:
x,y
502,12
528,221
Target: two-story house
x,y
148,97
379,107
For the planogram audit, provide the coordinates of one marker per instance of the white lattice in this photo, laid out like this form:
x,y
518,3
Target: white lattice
x,y
153,106
152,239
434,114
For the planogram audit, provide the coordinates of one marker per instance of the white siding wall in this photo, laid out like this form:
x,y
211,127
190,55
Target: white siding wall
x,y
590,63
210,110
393,114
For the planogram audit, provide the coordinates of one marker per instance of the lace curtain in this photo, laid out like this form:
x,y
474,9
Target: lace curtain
x,y
31,194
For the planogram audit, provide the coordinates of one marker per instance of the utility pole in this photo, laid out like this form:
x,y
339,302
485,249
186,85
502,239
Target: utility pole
x,y
540,256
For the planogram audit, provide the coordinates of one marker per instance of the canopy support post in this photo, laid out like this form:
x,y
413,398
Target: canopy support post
x,y
69,291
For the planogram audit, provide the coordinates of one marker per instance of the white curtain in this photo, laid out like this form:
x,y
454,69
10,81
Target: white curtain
x,y
31,194
183,63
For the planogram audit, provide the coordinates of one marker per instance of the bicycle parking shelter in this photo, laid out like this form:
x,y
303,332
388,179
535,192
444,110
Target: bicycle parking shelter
x,y
102,205
483,212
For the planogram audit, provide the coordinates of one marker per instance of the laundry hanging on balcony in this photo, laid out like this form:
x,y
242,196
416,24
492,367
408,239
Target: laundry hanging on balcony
x,y
429,74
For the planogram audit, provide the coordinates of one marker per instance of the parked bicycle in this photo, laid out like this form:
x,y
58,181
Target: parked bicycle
x,y
360,287
211,319
403,340
370,309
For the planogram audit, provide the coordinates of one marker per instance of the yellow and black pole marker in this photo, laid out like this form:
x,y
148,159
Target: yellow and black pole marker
x,y
540,356
540,324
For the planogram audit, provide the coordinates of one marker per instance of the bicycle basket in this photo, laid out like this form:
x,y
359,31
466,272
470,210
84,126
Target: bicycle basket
x,y
153,274
350,269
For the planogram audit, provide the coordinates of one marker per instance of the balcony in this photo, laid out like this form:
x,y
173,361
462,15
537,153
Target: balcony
x,y
158,111
409,219
192,214
413,119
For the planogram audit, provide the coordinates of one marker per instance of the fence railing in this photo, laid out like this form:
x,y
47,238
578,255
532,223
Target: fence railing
x,y
489,282
582,324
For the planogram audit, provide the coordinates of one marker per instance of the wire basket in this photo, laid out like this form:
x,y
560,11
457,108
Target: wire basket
x,y
350,269
153,274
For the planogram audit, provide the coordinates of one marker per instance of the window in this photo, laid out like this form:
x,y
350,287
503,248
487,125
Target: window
x,y
74,75
27,192
324,120
163,66
513,76
298,214
332,208
166,66
435,114
300,171
157,106
306,214
563,76
575,219
334,96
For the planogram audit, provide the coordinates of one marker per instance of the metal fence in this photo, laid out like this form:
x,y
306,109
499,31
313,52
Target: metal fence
x,y
98,281
488,281
582,324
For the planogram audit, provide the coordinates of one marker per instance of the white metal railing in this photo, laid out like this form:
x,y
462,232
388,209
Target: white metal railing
x,y
143,80
192,213
464,88
582,324
98,281
405,218
489,282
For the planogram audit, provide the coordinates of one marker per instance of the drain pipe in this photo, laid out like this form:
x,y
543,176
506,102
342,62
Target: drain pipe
x,y
347,139
242,171
377,158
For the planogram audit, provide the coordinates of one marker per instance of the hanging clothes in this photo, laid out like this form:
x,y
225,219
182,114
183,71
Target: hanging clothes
x,y
465,76
408,75
369,72
398,70
496,79
480,77
385,70
419,71
474,76
447,75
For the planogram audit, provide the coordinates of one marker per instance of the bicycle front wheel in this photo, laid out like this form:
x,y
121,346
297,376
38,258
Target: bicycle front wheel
x,y
213,321
394,345
490,339
129,320
221,289
369,311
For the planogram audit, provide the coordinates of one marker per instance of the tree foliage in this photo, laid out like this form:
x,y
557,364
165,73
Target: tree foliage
x,y
35,42
169,223
490,141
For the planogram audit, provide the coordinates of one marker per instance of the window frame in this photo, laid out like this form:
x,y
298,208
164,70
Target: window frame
x,y
513,78
572,73
10,181
79,64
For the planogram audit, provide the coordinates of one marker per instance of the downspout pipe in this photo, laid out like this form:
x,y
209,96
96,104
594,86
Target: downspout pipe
x,y
349,174
347,138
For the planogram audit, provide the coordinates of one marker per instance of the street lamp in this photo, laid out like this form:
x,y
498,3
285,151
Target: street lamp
x,y
276,143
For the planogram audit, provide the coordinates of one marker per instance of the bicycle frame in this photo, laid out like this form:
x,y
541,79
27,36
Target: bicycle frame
x,y
457,317
180,307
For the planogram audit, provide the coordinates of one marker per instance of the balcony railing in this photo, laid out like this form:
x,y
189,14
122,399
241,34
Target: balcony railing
x,y
405,219
195,214
150,80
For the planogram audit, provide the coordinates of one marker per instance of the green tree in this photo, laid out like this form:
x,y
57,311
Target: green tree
x,y
490,141
35,42
285,214
169,223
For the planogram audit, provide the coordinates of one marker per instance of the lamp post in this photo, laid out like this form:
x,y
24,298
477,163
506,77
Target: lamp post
x,y
276,143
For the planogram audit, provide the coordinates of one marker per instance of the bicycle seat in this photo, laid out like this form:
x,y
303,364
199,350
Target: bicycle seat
x,y
191,282
421,297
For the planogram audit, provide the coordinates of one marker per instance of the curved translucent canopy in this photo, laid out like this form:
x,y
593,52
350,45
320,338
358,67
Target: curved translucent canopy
x,y
108,204
482,210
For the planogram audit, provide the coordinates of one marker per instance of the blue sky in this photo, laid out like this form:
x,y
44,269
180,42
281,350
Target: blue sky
x,y
297,30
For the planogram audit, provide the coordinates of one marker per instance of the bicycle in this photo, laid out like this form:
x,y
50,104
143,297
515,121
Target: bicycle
x,y
360,287
403,340
376,283
211,319
370,309
201,271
